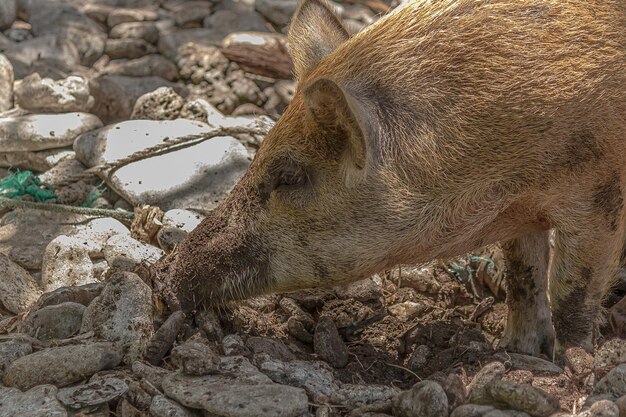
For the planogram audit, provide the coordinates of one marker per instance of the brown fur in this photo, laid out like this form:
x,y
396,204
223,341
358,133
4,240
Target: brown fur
x,y
443,124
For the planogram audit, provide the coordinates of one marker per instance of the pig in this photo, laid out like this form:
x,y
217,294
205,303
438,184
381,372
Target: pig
x,y
443,127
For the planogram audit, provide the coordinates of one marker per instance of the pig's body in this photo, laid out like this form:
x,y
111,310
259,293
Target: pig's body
x,y
445,126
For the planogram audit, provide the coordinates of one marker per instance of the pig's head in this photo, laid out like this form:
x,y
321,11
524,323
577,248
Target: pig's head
x,y
315,208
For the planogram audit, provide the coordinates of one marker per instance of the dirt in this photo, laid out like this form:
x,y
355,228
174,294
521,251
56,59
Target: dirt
x,y
460,330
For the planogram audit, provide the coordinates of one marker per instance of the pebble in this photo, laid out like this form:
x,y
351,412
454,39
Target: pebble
x,y
195,358
153,374
454,388
12,350
36,132
315,377
124,253
50,56
63,365
40,401
60,321
364,290
46,95
128,48
95,233
66,262
353,395
233,344
18,290
419,278
147,31
119,140
328,345
122,313
164,407
614,383
36,160
530,363
274,348
278,12
521,397
408,310
603,408
6,79
161,104
424,399
205,174
8,13
163,339
149,65
491,372
234,17
191,11
234,398
81,294
99,391
115,95
124,15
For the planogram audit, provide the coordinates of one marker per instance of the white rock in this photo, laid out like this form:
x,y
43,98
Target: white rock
x,y
18,290
125,253
198,177
122,313
6,79
161,104
48,96
94,234
182,219
119,140
66,262
44,131
44,54
40,401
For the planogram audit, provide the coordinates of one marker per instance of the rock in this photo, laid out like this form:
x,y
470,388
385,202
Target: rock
x,y
521,397
40,401
603,408
164,407
95,234
328,345
25,244
161,104
205,173
163,339
60,321
6,78
315,377
66,262
490,372
174,41
182,219
49,56
35,161
115,95
120,140
11,350
278,12
44,131
352,396
419,358
235,18
614,383
128,48
65,169
233,345
241,368
419,278
454,388
63,365
228,396
191,11
611,354
195,358
152,374
122,313
82,294
621,405
579,360
148,65
96,392
529,363
124,15
8,13
146,31
66,22
364,290
475,410
48,96
260,53
408,310
275,349
425,399
124,253
18,290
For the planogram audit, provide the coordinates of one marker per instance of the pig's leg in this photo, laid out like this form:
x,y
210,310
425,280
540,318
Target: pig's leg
x,y
528,326
585,262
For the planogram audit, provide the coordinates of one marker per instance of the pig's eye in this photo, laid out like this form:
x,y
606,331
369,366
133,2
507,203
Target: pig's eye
x,y
290,180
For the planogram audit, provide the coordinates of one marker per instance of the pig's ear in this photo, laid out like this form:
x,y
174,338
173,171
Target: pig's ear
x,y
333,108
315,32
